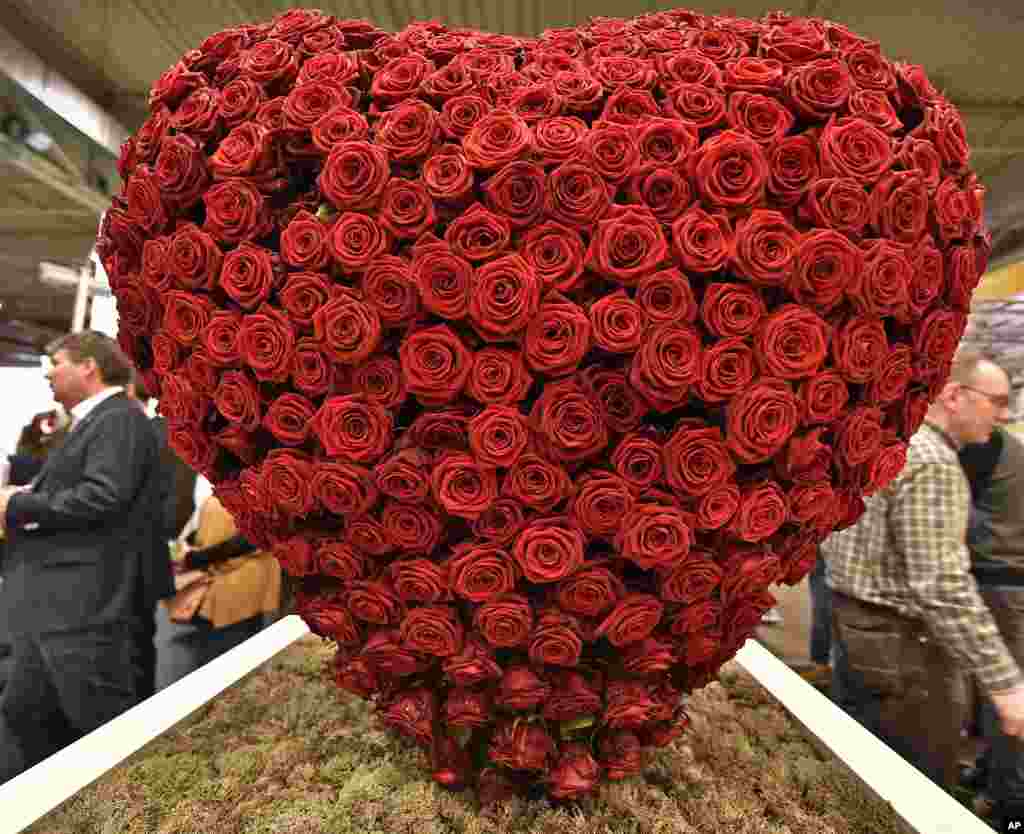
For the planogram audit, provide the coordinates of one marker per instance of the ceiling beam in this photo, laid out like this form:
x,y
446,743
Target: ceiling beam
x,y
30,164
29,71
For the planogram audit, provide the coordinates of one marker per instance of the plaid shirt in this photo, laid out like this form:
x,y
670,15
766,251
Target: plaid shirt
x,y
907,552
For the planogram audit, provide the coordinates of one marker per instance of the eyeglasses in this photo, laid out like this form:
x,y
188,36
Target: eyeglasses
x,y
999,401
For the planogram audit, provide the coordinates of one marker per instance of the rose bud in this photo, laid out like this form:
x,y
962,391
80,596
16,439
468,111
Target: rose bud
x,y
575,772
474,664
620,754
521,746
465,708
385,651
450,765
412,713
556,639
571,697
521,689
357,676
494,785
650,655
629,704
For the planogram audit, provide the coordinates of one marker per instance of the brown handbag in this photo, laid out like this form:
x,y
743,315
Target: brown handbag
x,y
182,607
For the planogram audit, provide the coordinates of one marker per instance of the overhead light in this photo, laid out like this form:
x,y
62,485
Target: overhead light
x,y
39,141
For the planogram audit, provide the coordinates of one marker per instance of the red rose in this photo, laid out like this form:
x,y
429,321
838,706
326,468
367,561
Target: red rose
x,y
241,98
413,528
823,398
375,602
852,147
858,348
793,167
265,343
504,621
351,428
447,175
638,460
666,296
634,617
860,435
433,630
341,561
600,503
702,242
559,138
556,254
435,365
412,713
297,558
186,316
461,486
759,75
417,580
343,488
549,549
691,581
885,466
304,243
505,297
791,342
521,746
893,377
443,279
730,170
617,323
727,368
498,435
819,88
555,639
920,157
574,773
591,591
181,172
302,295
841,204
498,138
288,419
666,365
957,211
236,212
572,697
407,131
761,117
389,287
702,106
620,754
882,287
731,309
311,371
328,618
654,535
875,108
569,422
766,247
664,191
474,664
286,475
517,192
220,338
521,689
826,264
464,708
621,406
379,380
717,507
341,124
385,652
760,420
696,460
557,337
348,329
627,245
577,195
459,114
763,510
357,240
354,175
537,483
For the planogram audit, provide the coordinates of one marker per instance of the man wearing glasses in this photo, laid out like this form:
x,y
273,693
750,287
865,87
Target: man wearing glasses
x,y
908,620
996,540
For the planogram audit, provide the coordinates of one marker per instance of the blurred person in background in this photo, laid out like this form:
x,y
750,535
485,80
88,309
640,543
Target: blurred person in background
x,y
227,592
995,537
908,620
79,545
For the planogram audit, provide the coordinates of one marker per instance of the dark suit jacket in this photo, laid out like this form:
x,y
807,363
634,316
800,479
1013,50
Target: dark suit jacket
x,y
81,543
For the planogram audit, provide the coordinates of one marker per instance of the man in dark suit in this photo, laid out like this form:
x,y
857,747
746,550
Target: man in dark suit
x,y
79,553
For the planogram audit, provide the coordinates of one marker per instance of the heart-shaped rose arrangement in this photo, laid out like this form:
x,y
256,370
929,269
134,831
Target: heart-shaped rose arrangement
x,y
538,360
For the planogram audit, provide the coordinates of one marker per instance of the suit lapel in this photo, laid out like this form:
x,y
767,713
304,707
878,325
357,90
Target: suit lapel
x,y
74,436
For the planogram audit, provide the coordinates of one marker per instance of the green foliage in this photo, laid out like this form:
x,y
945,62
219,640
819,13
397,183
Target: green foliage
x,y
283,752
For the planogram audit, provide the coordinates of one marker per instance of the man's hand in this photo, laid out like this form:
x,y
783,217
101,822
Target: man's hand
x,y
1009,704
5,497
